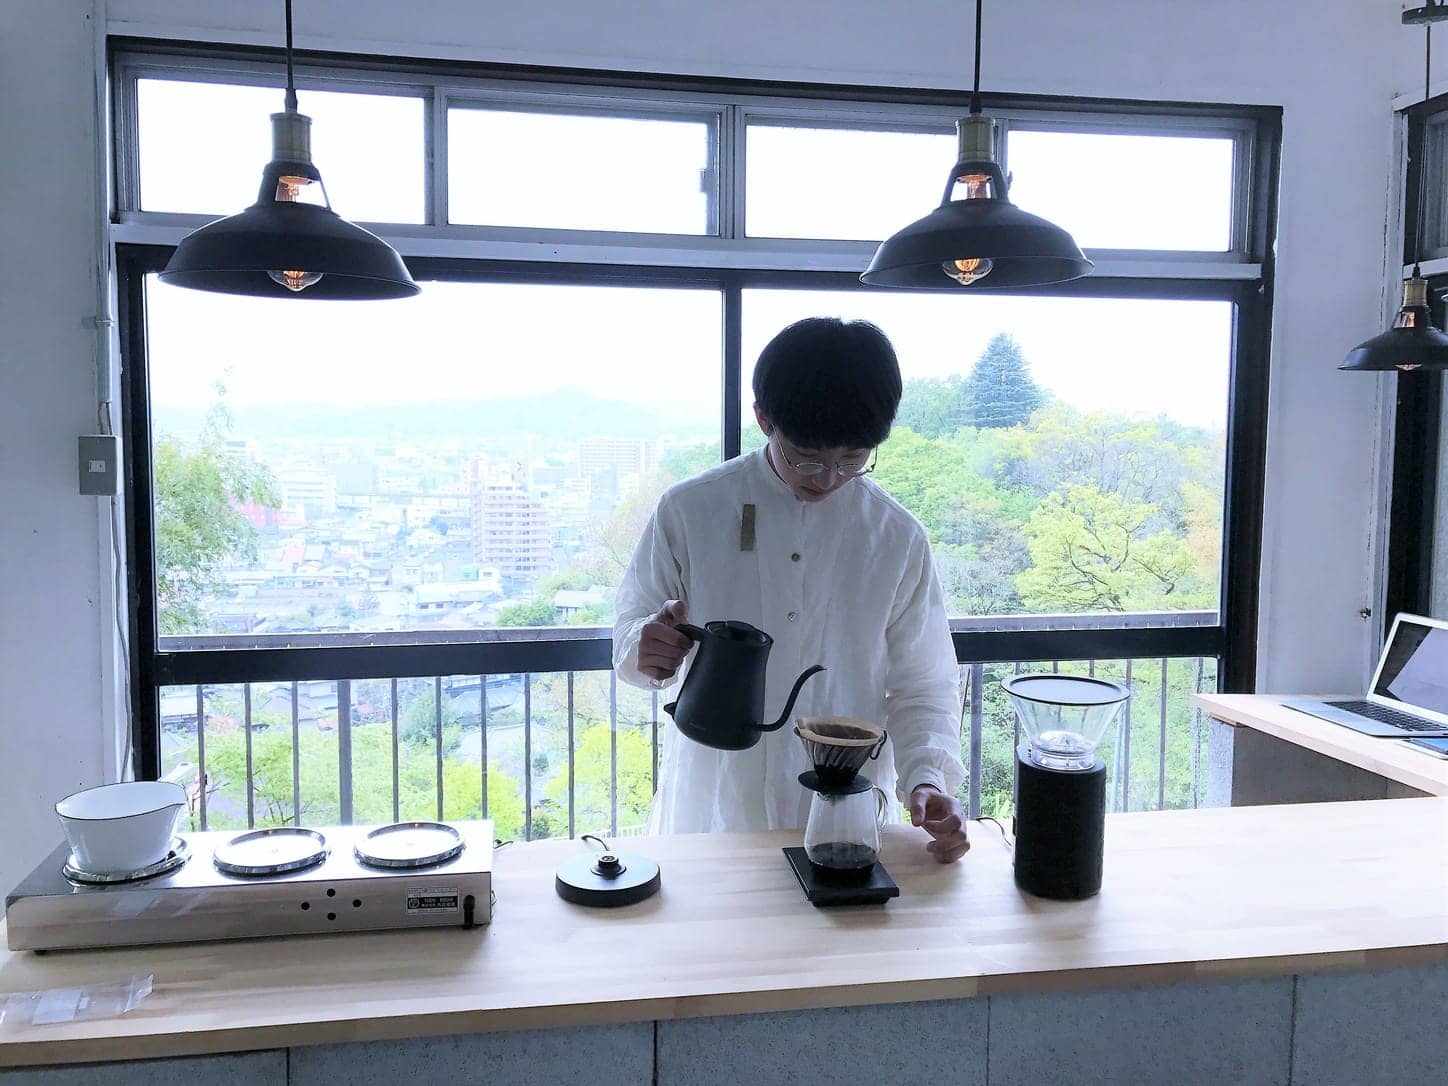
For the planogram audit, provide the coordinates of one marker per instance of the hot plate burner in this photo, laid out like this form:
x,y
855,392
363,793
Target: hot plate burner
x,y
409,845
277,851
179,854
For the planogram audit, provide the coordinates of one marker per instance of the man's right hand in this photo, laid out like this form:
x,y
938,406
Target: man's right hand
x,y
662,648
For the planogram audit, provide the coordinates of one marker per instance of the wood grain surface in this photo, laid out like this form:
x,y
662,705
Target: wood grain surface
x,y
1189,895
1391,758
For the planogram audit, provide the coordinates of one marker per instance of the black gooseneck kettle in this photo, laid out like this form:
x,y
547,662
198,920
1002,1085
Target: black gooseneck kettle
x,y
722,702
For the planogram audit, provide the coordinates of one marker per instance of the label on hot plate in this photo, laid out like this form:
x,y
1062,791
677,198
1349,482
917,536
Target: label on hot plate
x,y
422,901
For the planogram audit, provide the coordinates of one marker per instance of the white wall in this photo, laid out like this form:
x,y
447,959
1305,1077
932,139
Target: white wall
x,y
1334,68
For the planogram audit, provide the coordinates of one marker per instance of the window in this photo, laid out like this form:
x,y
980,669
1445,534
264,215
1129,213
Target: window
x,y
1117,191
580,171
375,546
202,147
844,183
1058,465
460,460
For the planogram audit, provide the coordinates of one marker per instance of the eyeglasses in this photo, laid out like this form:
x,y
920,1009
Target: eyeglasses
x,y
846,470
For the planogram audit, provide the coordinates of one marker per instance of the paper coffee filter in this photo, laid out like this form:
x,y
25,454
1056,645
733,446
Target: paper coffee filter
x,y
839,747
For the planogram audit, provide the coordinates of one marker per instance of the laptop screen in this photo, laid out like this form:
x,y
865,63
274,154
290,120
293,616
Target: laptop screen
x,y
1415,667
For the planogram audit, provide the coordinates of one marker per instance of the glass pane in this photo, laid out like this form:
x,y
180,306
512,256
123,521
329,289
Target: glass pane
x,y
580,172
1058,464
841,183
481,455
203,147
1160,708
1435,208
1118,191
1440,513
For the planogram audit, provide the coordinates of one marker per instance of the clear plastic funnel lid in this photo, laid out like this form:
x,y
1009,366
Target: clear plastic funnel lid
x,y
1065,716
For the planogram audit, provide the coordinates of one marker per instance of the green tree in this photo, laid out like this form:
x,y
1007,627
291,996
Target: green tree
x,y
534,613
685,461
198,525
592,777
1000,388
1094,551
934,406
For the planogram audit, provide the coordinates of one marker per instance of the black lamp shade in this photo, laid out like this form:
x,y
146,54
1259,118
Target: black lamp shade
x,y
1400,349
1411,344
234,255
1025,249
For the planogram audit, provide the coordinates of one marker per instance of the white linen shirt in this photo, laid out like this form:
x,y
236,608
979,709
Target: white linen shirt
x,y
847,582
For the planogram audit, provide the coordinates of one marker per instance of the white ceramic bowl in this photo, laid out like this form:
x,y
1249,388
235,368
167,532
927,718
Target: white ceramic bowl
x,y
121,827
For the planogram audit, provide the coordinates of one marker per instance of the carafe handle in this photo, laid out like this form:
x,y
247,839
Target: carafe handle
x,y
882,806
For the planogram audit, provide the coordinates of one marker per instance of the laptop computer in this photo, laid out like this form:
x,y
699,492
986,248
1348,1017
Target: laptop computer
x,y
1408,697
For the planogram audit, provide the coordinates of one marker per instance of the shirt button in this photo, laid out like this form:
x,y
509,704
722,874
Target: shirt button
x,y
793,616
794,557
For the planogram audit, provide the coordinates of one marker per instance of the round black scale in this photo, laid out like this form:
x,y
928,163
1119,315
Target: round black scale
x,y
607,879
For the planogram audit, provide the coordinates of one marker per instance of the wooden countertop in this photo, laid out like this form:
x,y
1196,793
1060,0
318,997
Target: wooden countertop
x,y
1391,758
1188,895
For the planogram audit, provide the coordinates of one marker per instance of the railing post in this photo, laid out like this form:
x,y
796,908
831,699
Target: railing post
x,y
396,739
250,775
977,721
613,753
1126,748
201,751
437,735
528,756
483,738
296,762
1197,740
1161,751
570,757
344,751
654,703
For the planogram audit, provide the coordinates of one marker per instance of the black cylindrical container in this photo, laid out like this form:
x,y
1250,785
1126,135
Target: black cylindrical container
x,y
1060,828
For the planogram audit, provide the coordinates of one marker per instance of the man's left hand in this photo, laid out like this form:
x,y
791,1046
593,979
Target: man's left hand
x,y
940,816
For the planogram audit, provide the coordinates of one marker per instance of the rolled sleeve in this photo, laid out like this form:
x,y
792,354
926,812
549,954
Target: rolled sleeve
x,y
655,575
922,682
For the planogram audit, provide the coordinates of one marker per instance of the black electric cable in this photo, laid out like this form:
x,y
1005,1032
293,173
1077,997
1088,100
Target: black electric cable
x,y
975,90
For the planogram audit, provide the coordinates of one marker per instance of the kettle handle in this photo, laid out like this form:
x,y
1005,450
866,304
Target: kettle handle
x,y
692,632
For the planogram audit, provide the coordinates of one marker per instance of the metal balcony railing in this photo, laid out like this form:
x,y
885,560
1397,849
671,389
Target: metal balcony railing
x,y
552,753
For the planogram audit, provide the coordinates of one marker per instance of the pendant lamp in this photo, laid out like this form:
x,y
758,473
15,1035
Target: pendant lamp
x,y
290,243
981,240
1412,342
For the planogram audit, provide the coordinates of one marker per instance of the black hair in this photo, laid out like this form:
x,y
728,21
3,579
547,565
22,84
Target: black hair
x,y
827,383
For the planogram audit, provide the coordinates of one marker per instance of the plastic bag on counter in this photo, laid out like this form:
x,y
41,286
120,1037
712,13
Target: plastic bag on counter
x,y
55,1005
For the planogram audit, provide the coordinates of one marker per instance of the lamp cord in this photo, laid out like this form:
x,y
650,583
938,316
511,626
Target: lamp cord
x,y
975,90
291,86
1422,166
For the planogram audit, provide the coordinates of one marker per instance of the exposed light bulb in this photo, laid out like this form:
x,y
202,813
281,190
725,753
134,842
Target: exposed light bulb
x,y
295,281
292,189
969,270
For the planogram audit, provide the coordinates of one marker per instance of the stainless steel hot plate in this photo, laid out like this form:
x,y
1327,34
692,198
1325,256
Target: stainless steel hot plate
x,y
409,845
179,854
270,852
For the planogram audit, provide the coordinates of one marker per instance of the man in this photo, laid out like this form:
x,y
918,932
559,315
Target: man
x,y
795,540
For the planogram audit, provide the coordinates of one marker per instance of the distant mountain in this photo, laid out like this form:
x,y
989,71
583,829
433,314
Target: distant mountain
x,y
554,414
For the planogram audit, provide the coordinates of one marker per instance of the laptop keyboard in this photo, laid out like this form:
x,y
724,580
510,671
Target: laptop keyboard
x,y
1406,721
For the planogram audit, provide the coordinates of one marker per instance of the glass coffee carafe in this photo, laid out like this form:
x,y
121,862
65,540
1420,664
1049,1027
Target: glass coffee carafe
x,y
846,812
842,837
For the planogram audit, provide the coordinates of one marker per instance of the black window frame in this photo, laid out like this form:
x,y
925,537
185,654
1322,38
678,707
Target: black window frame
x,y
1417,401
1232,640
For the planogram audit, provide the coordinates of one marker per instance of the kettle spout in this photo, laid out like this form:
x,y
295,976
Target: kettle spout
x,y
793,694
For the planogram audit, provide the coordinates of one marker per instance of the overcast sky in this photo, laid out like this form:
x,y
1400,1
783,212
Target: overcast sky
x,y
203,148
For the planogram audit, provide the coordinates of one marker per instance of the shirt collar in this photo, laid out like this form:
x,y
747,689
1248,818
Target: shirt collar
x,y
772,479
